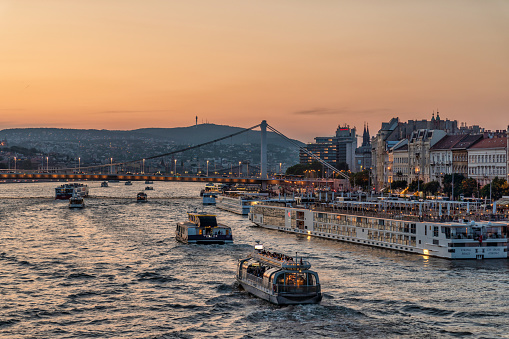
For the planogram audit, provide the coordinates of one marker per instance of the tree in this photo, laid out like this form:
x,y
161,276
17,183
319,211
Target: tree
x,y
360,179
399,184
458,178
499,188
300,169
431,187
414,185
469,187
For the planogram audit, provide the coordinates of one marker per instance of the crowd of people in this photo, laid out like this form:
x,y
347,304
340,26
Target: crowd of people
x,y
257,271
275,255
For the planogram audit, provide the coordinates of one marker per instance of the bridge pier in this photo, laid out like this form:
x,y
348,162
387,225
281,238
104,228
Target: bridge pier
x,y
263,158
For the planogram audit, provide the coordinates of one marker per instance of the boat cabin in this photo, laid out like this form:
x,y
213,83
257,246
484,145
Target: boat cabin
x,y
203,228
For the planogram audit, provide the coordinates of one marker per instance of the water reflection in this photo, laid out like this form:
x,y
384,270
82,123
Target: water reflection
x,y
114,269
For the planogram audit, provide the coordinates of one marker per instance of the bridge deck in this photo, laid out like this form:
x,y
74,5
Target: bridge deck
x,y
143,177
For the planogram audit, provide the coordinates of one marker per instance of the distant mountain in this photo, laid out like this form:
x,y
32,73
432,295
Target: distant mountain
x,y
192,135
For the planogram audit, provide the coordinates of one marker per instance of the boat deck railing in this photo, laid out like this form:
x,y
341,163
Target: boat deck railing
x,y
412,215
254,279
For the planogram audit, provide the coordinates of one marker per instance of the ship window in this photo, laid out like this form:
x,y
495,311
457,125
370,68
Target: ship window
x,y
296,279
207,220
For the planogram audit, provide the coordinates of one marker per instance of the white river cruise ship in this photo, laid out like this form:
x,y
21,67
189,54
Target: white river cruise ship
x,y
436,228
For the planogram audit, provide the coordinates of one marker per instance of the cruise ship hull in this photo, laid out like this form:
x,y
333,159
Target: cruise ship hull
x,y
234,205
424,238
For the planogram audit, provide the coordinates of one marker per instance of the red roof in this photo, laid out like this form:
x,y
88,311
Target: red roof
x,y
500,142
447,142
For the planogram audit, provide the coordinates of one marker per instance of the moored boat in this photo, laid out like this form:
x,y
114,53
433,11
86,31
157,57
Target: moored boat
x,y
279,279
444,229
128,182
149,188
104,184
141,197
202,228
238,202
66,191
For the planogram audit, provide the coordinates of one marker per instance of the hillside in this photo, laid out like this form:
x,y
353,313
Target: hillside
x,y
192,135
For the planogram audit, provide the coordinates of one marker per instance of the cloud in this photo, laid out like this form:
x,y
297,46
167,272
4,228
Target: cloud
x,y
130,112
341,111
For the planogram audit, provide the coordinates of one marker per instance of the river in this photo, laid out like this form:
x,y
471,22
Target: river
x,y
114,270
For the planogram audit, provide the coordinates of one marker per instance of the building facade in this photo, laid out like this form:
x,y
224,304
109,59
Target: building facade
x,y
335,150
363,153
487,159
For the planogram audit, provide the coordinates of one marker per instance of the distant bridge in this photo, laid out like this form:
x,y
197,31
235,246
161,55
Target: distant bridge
x,y
144,177
262,180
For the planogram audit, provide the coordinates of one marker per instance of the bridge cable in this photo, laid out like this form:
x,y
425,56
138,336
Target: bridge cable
x,y
170,153
305,150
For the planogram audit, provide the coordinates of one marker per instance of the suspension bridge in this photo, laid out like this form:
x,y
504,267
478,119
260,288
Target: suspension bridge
x,y
90,172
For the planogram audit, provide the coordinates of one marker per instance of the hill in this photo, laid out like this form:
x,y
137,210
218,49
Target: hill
x,y
192,135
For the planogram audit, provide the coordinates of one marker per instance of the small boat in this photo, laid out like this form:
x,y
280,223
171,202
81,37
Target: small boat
x,y
148,182
141,197
66,191
149,188
76,201
202,228
128,182
104,184
279,279
209,198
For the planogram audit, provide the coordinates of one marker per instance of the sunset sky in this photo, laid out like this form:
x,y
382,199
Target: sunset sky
x,y
303,65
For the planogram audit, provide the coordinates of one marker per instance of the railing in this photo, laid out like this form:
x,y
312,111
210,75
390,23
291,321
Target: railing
x,y
254,279
471,237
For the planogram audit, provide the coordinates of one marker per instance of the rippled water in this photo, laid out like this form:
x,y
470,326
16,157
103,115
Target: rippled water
x,y
114,270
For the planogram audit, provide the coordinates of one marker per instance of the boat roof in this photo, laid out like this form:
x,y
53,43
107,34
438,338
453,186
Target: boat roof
x,y
203,219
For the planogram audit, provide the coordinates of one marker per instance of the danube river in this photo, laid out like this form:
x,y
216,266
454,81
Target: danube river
x,y
114,270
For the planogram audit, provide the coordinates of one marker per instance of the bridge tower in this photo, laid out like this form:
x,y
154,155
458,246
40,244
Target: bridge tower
x,y
263,159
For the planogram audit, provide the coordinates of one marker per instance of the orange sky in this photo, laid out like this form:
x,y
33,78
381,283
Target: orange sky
x,y
305,66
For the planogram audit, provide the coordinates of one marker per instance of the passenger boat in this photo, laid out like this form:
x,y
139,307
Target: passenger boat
x,y
65,191
104,184
445,229
202,228
279,279
149,188
76,201
141,197
149,182
128,182
209,197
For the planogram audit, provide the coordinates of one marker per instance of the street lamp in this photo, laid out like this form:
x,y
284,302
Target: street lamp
x,y
79,164
389,179
47,164
418,182
207,168
239,167
175,173
14,164
111,166
143,168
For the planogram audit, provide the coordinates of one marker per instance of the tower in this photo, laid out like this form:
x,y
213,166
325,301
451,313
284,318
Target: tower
x,y
196,123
